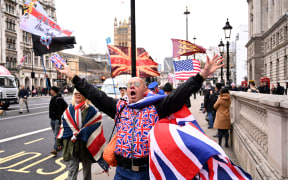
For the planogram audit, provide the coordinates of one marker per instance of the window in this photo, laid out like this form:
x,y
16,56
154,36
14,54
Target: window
x,y
277,69
36,60
47,61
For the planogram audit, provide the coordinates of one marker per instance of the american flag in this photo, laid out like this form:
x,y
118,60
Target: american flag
x,y
184,69
56,59
183,151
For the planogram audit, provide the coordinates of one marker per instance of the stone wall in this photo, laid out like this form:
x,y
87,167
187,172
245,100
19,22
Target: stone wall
x,y
260,125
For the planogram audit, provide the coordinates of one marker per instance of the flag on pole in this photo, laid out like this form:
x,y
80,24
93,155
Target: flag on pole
x,y
22,60
121,62
185,48
108,40
184,69
44,45
36,21
57,60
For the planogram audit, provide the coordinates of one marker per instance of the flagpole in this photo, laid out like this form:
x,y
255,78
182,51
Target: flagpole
x,y
133,39
42,59
108,40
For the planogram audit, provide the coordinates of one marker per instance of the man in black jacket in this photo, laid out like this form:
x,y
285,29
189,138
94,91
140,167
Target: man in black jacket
x,y
136,121
56,108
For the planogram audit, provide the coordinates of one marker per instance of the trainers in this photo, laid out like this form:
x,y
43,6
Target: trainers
x,y
54,152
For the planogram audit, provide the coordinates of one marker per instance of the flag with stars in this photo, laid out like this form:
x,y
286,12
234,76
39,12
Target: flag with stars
x,y
184,69
56,59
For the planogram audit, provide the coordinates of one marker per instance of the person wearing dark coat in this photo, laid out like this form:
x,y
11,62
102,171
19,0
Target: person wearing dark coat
x,y
23,95
208,105
56,108
280,89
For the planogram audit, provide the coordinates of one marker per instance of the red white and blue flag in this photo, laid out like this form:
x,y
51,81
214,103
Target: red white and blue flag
x,y
57,60
185,152
90,132
184,69
22,60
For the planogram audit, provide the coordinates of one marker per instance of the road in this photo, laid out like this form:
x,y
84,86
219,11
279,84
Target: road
x,y
27,139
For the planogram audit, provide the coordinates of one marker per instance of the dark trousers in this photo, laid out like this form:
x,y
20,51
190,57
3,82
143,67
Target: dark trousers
x,y
225,133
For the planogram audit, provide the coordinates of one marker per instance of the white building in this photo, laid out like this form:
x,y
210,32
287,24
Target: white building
x,y
241,53
15,43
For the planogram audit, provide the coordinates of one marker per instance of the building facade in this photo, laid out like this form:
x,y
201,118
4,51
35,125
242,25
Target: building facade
x,y
122,33
241,53
268,40
15,43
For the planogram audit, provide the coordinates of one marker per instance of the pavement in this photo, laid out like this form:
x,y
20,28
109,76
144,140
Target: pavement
x,y
200,117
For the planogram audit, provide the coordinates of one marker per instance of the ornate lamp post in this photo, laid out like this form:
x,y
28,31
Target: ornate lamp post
x,y
221,49
187,13
227,31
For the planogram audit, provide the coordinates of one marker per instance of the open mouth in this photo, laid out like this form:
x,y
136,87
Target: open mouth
x,y
133,93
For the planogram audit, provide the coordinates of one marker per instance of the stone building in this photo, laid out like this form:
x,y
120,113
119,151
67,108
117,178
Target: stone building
x,y
268,40
15,43
122,33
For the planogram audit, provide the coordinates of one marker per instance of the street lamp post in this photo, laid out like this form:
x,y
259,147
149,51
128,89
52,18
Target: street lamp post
x,y
221,49
194,38
187,13
227,31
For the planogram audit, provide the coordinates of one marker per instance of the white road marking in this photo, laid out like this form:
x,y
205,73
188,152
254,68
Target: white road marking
x,y
30,114
24,108
24,135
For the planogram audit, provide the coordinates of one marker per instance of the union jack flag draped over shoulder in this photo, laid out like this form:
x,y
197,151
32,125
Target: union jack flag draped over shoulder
x,y
90,132
121,62
183,151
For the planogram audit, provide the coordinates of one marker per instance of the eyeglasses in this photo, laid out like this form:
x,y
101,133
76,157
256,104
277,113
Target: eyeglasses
x,y
136,84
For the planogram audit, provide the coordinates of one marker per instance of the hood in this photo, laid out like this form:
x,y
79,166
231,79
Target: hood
x,y
225,96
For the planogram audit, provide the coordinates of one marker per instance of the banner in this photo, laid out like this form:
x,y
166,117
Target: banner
x,y
36,21
121,62
44,45
185,48
22,60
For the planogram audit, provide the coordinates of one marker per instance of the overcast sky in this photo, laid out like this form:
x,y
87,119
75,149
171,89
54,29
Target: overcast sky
x,y
157,21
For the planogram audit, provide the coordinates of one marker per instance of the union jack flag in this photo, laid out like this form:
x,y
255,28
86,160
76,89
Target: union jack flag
x,y
56,59
184,69
22,60
90,132
121,62
185,152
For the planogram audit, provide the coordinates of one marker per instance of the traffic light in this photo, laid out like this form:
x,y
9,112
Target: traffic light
x,y
103,78
32,75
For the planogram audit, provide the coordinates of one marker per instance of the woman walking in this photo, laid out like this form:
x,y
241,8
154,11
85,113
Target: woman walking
x,y
222,121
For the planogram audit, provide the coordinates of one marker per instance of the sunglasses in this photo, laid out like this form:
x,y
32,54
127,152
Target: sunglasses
x,y
136,84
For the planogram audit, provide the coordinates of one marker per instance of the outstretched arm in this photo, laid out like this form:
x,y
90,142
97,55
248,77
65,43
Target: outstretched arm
x,y
175,100
97,97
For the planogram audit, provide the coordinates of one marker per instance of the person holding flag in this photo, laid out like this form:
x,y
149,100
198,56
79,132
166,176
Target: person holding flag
x,y
139,116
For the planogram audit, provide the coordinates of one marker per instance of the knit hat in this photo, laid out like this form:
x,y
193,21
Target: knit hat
x,y
167,87
55,89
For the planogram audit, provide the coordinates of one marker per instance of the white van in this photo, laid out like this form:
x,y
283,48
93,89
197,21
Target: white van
x,y
8,91
108,88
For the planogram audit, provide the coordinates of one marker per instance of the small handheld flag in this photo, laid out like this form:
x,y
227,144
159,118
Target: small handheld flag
x,y
57,60
108,40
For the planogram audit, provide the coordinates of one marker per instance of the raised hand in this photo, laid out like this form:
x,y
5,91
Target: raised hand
x,y
212,65
66,70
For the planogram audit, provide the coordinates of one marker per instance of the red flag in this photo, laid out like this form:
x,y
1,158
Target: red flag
x,y
121,62
185,48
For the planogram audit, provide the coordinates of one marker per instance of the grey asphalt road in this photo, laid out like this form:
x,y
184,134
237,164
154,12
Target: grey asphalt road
x,y
27,139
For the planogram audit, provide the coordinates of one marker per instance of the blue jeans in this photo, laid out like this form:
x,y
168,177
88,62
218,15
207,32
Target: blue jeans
x,y
211,119
55,129
122,173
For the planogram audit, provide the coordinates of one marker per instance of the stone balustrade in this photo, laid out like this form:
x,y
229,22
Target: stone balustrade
x,y
260,133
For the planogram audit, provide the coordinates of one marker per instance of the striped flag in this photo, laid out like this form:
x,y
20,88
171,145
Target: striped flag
x,y
22,60
184,69
91,131
185,152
